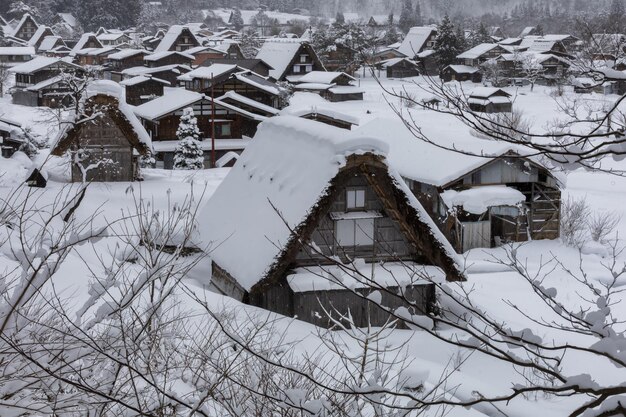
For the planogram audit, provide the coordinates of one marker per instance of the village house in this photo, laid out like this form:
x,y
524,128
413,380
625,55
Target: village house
x,y
386,53
161,59
290,59
257,66
231,125
124,59
217,79
94,56
107,147
141,89
490,100
151,42
479,54
322,226
419,39
10,136
87,41
53,45
461,73
26,28
325,115
39,36
333,86
114,39
177,38
39,82
477,200
169,73
14,55
399,68
553,68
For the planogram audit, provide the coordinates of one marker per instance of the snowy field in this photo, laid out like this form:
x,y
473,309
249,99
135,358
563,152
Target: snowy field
x,y
495,288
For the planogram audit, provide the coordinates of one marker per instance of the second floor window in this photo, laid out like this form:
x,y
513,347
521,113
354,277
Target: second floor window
x,y
355,199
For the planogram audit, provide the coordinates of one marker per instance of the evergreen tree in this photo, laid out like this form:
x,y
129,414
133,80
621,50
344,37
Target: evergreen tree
x,y
419,21
237,19
446,43
188,154
480,35
616,17
539,30
406,21
118,14
340,19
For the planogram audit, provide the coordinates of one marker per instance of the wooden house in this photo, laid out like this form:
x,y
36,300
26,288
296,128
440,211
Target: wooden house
x,y
87,41
15,55
94,56
40,34
231,124
479,54
428,63
327,116
161,59
124,59
152,42
257,66
461,73
418,39
400,68
177,38
141,89
480,192
169,73
53,43
217,79
318,235
10,136
39,82
384,54
342,58
26,28
289,58
107,147
490,100
114,39
333,86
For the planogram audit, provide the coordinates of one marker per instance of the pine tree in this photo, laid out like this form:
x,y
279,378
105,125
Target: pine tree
x,y
188,154
480,35
237,19
419,21
446,43
340,19
188,126
406,21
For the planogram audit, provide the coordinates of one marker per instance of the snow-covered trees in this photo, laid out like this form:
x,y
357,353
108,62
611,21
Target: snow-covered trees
x,y
479,35
94,14
407,18
188,154
236,19
447,44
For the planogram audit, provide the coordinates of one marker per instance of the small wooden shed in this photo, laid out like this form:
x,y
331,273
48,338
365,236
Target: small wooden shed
x,y
107,144
490,100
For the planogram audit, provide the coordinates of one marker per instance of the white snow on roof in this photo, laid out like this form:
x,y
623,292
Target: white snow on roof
x,y
322,77
313,86
247,15
17,50
421,161
164,54
68,18
250,102
415,40
127,53
37,36
83,41
478,50
278,54
170,37
463,69
209,72
110,36
141,70
96,51
477,200
205,145
487,92
22,22
322,110
289,164
141,79
173,99
48,43
258,82
39,63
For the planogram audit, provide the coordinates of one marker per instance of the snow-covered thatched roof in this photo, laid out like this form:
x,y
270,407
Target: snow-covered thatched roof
x,y
278,53
170,37
415,40
280,178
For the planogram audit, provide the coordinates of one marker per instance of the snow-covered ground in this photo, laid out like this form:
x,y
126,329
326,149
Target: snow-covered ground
x,y
494,288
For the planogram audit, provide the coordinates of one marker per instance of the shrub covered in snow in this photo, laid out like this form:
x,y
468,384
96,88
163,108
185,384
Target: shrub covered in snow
x,y
188,126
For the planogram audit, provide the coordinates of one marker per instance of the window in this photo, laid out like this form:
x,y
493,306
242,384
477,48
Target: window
x,y
296,69
303,58
355,199
357,232
308,68
223,130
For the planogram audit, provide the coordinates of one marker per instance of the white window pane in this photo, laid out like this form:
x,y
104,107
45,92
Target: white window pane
x,y
345,232
351,199
364,232
360,198
296,68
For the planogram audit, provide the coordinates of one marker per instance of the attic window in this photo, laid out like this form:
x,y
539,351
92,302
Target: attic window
x,y
304,58
355,199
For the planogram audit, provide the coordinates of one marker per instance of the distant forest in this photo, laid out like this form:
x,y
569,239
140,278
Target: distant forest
x,y
553,16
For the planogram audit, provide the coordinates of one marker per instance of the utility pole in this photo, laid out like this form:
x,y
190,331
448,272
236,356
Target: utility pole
x,y
212,124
